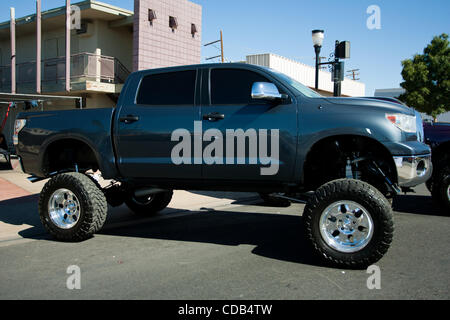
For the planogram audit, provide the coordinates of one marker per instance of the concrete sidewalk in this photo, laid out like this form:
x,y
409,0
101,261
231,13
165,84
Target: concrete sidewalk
x,y
19,216
9,190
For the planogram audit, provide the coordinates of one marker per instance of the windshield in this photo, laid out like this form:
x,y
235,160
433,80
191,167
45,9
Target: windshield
x,y
297,85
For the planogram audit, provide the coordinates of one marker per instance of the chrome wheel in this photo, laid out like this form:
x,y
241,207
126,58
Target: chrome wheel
x,y
346,226
448,192
64,209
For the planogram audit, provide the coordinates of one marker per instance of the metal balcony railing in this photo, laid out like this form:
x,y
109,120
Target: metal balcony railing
x,y
84,67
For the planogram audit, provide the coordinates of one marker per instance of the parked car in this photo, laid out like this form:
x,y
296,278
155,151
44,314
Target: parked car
x,y
188,127
437,135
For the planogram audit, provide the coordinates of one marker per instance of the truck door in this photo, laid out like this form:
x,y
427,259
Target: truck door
x,y
251,132
163,103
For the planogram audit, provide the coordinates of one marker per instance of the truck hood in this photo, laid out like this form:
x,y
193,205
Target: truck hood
x,y
371,103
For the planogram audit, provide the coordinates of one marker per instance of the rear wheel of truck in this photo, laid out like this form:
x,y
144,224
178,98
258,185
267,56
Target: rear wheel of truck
x,y
72,207
441,189
349,223
149,205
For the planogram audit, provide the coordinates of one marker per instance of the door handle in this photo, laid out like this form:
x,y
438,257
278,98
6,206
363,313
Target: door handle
x,y
215,116
129,119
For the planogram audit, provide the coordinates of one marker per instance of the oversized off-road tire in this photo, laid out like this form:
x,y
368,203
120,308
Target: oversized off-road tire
x,y
441,189
149,205
349,223
429,184
274,201
72,207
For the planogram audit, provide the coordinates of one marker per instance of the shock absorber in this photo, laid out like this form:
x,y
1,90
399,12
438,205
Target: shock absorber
x,y
351,168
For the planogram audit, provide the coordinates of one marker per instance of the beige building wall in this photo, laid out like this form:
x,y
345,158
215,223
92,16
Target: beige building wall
x,y
53,45
156,45
114,42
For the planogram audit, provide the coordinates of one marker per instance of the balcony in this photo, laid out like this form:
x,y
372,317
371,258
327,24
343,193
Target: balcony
x,y
89,73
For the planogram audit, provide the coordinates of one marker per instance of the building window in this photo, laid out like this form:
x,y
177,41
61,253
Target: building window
x,y
173,24
151,16
193,29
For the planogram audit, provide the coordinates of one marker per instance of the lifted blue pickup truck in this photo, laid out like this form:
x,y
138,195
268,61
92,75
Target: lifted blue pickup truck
x,y
234,127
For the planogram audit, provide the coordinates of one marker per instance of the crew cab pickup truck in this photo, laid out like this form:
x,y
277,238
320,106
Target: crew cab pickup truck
x,y
437,136
233,127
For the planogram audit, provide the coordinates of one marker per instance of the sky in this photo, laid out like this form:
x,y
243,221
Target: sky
x,y
284,27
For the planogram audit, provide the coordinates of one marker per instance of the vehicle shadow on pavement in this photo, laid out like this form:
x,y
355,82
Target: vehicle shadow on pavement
x,y
21,218
276,236
417,204
22,211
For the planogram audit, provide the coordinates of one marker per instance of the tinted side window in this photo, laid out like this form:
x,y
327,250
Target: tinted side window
x,y
233,86
174,88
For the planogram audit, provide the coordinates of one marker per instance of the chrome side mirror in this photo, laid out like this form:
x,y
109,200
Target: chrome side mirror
x,y
265,91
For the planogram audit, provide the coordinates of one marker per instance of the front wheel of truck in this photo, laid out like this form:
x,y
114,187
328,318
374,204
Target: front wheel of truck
x,y
149,205
72,207
349,223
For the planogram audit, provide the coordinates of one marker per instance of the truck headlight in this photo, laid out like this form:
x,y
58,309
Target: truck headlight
x,y
20,123
403,121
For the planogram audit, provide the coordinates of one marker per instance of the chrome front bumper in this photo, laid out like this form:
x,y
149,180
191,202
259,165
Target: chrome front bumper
x,y
16,163
413,170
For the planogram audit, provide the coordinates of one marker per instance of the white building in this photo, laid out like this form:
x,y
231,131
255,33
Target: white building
x,y
396,92
305,74
391,93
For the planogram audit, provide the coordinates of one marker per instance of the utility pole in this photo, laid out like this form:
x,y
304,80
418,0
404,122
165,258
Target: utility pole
x,y
353,74
221,48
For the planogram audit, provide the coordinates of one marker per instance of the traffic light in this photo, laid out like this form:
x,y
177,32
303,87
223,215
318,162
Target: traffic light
x,y
343,50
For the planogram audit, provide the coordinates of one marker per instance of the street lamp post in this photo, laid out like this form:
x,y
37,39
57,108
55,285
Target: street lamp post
x,y
317,38
341,51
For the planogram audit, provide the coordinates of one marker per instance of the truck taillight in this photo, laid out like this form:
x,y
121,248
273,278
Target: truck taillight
x,y
19,125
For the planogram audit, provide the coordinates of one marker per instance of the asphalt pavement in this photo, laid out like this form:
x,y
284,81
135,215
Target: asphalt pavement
x,y
240,249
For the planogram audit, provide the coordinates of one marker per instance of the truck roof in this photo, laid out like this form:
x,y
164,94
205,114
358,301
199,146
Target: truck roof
x,y
204,65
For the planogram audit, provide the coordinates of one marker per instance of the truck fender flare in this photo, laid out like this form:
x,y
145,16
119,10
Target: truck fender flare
x,y
359,132
59,137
